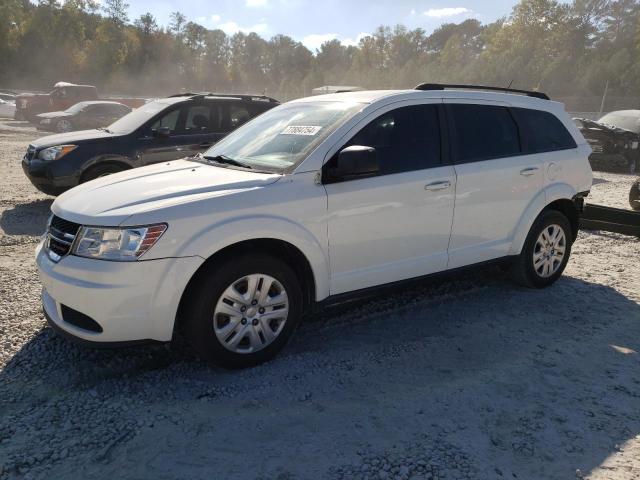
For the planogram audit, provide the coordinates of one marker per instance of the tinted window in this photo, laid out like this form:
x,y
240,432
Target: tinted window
x,y
482,132
405,139
542,131
238,114
169,120
198,119
96,109
116,109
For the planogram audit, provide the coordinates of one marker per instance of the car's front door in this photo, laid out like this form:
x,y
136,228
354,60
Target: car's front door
x,y
496,182
395,225
191,130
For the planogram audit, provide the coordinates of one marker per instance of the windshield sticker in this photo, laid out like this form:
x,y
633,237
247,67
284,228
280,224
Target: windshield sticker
x,y
300,130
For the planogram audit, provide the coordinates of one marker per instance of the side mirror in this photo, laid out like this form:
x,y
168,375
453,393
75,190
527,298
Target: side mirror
x,y
354,162
163,132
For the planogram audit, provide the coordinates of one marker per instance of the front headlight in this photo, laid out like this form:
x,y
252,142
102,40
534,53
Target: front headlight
x,y
54,153
45,121
118,244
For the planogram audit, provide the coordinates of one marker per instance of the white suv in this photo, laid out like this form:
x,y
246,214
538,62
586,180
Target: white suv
x,y
314,200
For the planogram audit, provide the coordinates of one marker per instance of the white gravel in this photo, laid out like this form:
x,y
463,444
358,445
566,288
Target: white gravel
x,y
466,378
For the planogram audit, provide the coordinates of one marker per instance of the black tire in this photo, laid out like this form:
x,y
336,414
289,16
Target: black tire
x,y
634,195
100,171
523,271
198,307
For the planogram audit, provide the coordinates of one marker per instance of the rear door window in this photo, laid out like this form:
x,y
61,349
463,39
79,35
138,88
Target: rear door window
x,y
482,132
239,114
542,131
198,119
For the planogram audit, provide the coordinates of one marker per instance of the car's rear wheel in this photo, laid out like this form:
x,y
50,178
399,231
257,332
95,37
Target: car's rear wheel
x,y
98,171
63,126
546,251
242,311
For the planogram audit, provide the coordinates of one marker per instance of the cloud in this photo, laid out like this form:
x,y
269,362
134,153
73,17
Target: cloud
x,y
350,42
255,3
212,20
445,12
231,28
315,41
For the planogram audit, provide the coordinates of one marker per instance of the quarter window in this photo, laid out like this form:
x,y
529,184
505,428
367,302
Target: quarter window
x,y
542,131
483,132
405,139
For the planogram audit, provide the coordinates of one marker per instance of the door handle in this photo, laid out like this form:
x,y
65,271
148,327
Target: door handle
x,y
438,185
205,145
527,172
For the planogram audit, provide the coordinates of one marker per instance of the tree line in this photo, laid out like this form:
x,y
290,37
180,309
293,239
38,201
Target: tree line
x,y
567,49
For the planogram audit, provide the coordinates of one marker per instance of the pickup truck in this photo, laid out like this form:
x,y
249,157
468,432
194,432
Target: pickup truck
x,y
63,96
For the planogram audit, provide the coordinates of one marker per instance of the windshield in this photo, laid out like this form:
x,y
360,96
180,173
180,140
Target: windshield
x,y
76,108
137,117
627,122
281,138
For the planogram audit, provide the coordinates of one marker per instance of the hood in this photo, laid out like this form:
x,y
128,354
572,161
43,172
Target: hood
x,y
111,200
59,114
79,137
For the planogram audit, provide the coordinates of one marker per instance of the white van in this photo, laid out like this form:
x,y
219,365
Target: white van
x,y
314,200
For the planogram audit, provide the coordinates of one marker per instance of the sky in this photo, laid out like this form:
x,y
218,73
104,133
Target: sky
x,y
315,21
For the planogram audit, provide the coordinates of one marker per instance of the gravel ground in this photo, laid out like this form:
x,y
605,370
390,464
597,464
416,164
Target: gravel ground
x,y
465,378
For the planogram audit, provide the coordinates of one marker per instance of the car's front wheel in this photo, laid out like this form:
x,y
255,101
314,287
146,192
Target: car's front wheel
x,y
545,252
242,311
63,126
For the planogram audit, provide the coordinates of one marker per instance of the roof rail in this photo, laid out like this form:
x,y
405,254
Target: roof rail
x,y
442,86
261,98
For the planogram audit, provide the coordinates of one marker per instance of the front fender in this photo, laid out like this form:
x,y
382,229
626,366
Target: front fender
x,y
551,193
214,238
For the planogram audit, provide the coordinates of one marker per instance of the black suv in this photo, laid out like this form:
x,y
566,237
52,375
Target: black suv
x,y
166,129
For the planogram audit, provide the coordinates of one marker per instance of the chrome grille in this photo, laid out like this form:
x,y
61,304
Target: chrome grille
x,y
60,237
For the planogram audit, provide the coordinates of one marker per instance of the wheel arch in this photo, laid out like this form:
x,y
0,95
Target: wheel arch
x,y
281,249
118,160
555,197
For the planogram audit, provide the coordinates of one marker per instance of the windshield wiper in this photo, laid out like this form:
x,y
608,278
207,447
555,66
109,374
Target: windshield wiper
x,y
227,160
105,129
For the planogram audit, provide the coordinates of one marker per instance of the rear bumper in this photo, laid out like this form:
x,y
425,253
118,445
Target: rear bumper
x,y
131,301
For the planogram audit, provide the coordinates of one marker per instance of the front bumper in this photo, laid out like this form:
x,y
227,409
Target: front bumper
x,y
40,175
131,301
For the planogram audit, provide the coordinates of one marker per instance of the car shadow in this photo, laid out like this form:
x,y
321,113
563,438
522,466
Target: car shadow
x,y
545,377
26,218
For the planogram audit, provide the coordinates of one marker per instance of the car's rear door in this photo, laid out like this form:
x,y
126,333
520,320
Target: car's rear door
x,y
496,181
394,225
